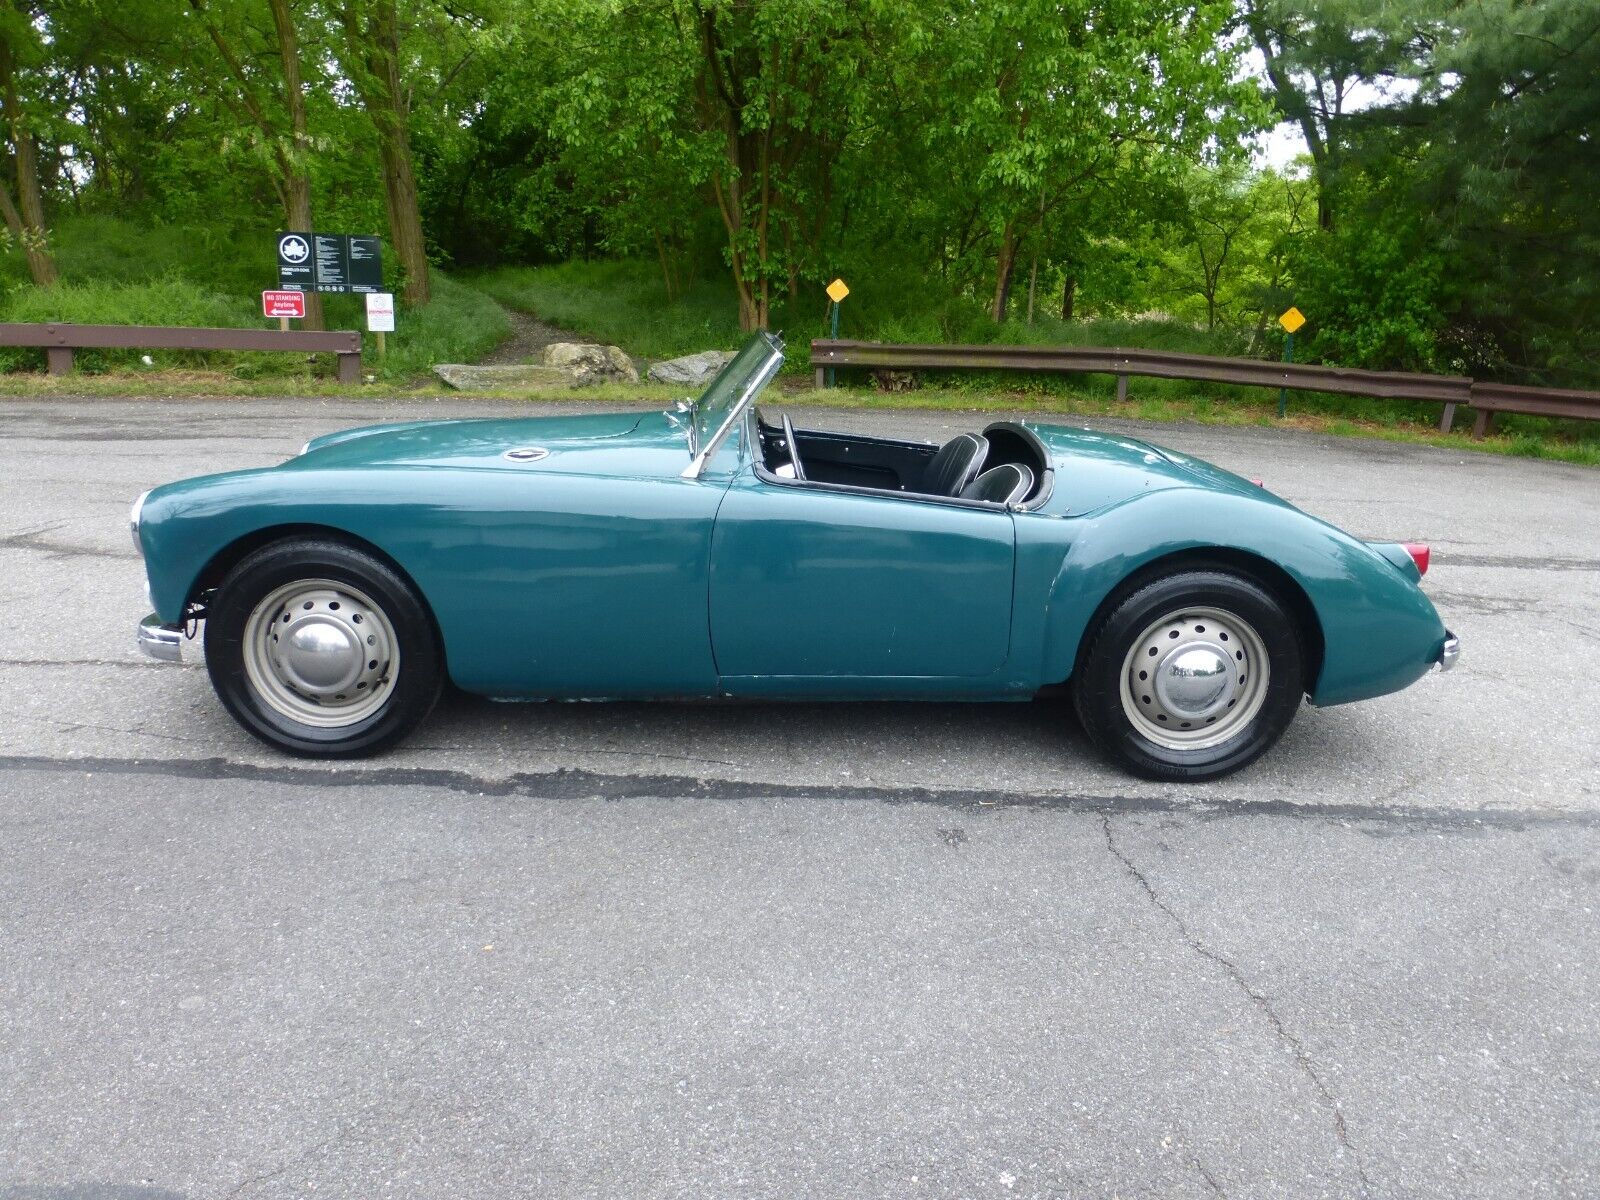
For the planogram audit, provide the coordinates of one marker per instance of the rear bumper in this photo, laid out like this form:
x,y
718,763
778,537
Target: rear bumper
x,y
1450,651
160,641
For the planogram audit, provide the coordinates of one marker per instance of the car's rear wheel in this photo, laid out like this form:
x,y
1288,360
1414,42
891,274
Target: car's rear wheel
x,y
1191,676
321,649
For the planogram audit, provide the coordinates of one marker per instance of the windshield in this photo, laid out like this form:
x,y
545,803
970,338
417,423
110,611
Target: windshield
x,y
730,393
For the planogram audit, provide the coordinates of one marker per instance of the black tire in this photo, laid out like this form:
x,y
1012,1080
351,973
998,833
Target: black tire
x,y
412,689
1141,615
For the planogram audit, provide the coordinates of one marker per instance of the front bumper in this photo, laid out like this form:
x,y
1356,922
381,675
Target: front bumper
x,y
160,641
1450,651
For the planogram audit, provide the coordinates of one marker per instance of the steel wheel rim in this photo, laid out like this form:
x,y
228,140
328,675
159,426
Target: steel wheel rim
x,y
321,653
1194,678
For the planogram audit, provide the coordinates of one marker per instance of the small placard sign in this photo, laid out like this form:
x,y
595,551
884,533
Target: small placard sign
x,y
283,304
380,312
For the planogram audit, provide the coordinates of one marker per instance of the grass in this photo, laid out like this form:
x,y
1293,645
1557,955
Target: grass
x,y
625,303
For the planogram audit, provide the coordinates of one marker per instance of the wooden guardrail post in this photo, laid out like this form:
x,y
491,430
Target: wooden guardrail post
x,y
58,360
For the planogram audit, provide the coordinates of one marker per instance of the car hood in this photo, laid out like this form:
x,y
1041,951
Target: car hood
x,y
627,443
1094,470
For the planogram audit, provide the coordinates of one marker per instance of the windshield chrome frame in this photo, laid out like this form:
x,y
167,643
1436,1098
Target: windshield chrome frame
x,y
697,464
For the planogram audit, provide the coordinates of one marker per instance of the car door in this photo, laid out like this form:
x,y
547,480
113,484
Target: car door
x,y
818,583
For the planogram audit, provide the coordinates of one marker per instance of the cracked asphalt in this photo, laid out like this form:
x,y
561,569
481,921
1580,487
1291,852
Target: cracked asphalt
x,y
851,950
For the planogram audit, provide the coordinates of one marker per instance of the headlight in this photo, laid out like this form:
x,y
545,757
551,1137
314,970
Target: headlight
x,y
304,448
133,522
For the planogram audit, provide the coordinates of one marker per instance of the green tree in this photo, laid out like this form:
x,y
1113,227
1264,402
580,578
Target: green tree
x,y
1029,107
21,200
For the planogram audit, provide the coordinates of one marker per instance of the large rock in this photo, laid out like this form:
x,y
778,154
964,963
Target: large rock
x,y
590,363
487,378
693,369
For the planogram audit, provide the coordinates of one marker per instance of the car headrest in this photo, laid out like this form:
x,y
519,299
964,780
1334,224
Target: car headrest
x,y
955,465
1005,484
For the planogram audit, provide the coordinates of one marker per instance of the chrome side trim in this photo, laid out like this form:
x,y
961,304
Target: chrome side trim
x,y
1450,651
161,641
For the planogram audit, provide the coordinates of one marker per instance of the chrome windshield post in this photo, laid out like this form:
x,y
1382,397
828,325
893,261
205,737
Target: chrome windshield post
x,y
697,464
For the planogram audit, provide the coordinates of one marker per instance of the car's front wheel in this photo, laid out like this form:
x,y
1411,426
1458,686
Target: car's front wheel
x,y
1191,676
321,649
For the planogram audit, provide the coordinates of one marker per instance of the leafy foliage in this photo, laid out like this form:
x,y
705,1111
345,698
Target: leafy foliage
x,y
1006,170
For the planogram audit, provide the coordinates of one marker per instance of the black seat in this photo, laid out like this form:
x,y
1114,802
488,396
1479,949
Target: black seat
x,y
1005,484
957,464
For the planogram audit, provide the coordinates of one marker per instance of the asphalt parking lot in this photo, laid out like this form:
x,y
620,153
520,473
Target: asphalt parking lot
x,y
783,950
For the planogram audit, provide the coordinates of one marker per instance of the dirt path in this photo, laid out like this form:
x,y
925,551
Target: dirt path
x,y
529,335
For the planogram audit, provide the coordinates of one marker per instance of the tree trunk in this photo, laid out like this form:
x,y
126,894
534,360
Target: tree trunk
x,y
1069,294
374,48
30,219
1003,268
1033,286
296,182
666,266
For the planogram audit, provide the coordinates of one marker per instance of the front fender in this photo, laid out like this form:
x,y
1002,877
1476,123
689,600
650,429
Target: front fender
x,y
1379,632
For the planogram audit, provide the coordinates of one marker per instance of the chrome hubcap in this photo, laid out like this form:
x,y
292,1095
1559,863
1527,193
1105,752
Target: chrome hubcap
x,y
1194,678
321,653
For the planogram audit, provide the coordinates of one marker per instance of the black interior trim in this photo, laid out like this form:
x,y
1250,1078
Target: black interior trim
x,y
825,451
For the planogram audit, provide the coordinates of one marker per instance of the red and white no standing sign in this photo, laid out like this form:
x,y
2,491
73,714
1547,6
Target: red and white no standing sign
x,y
283,304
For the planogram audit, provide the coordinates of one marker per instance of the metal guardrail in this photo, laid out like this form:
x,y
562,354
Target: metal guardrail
x,y
59,342
1486,399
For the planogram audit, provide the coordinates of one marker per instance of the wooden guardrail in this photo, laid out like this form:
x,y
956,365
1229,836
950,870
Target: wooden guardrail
x,y
59,342
1486,399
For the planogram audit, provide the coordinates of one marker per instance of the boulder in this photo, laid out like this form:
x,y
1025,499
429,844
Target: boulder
x,y
696,370
514,377
590,363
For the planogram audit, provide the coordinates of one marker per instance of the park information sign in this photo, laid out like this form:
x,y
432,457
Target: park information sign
x,y
330,262
332,253
295,270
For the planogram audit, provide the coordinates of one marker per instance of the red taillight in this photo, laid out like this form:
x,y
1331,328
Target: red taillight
x,y
1419,555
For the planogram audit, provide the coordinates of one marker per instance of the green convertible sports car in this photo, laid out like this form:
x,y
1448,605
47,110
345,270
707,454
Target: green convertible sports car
x,y
706,552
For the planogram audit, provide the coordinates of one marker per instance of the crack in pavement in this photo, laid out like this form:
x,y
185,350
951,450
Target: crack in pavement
x,y
34,540
1302,1056
1208,1176
571,783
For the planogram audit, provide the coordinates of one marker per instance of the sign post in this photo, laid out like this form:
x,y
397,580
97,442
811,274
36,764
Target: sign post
x,y
837,291
1291,321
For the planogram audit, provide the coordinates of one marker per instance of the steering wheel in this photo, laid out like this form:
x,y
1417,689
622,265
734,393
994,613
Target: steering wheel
x,y
794,447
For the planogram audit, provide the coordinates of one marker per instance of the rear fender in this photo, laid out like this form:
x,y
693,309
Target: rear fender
x,y
1378,631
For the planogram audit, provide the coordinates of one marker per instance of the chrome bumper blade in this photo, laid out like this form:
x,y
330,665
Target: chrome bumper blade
x,y
1450,652
161,641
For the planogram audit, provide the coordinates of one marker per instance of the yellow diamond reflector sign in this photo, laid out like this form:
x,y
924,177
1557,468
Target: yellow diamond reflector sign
x,y
1292,320
837,291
